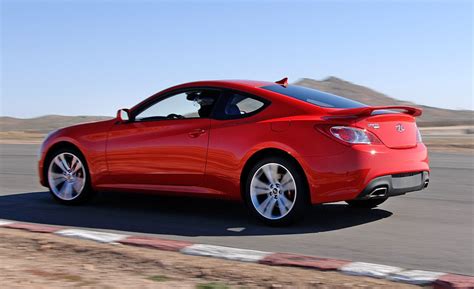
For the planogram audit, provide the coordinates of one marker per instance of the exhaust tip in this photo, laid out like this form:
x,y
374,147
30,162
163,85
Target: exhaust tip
x,y
378,192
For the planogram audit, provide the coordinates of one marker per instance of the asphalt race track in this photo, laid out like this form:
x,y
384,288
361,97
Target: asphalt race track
x,y
429,230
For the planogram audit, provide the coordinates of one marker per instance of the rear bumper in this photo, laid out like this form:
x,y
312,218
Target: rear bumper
x,y
347,175
394,185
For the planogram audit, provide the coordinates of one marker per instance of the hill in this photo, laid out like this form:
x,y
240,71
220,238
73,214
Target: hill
x,y
44,124
432,116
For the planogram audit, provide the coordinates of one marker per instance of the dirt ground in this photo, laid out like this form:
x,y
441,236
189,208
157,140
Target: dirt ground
x,y
33,260
459,144
21,137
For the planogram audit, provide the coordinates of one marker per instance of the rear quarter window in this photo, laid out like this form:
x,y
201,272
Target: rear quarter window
x,y
313,96
237,104
241,105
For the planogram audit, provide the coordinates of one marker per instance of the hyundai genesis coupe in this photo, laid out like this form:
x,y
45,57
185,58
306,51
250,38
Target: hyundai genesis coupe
x,y
276,147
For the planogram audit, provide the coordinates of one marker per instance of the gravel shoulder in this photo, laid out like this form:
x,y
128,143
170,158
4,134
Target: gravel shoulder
x,y
34,260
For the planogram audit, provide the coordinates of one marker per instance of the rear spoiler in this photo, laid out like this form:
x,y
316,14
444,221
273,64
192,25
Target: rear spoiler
x,y
367,110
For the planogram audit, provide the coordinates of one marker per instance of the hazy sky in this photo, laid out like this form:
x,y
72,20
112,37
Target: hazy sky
x,y
93,57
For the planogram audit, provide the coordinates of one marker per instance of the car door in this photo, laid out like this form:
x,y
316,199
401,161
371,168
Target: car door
x,y
164,144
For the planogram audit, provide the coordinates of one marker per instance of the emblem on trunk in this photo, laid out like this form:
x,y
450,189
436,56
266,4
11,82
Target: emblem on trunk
x,y
374,125
400,127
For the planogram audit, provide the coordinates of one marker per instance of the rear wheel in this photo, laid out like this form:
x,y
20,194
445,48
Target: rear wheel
x,y
68,176
367,204
276,192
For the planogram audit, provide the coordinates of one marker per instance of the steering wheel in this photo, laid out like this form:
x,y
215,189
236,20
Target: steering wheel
x,y
174,116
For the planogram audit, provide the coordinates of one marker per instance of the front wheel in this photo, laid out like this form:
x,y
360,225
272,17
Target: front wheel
x,y
68,177
276,191
366,204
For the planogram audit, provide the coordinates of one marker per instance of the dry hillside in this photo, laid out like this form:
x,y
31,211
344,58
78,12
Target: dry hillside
x,y
44,124
432,116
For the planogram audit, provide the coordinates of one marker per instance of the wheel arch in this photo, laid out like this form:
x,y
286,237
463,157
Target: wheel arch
x,y
55,147
266,152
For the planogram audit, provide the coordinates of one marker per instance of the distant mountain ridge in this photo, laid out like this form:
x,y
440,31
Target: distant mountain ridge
x,y
44,124
432,116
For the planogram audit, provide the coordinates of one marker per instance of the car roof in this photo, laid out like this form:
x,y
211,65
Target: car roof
x,y
228,83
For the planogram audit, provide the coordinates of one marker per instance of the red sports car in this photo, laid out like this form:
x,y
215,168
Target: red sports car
x,y
277,147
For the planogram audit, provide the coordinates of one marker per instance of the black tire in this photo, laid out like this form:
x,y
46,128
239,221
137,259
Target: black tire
x,y
300,196
86,193
366,204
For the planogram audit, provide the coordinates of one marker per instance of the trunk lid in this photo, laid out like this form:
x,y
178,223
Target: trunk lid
x,y
395,130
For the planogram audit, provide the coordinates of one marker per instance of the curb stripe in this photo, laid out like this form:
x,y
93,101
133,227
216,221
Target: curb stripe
x,y
91,235
369,269
160,244
416,277
283,259
453,281
36,228
5,222
225,253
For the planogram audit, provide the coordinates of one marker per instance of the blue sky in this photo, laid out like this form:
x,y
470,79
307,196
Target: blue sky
x,y
93,57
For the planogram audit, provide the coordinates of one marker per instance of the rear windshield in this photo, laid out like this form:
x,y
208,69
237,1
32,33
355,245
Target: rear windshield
x,y
314,96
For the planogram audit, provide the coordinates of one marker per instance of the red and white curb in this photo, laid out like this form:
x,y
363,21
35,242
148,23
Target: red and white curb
x,y
438,280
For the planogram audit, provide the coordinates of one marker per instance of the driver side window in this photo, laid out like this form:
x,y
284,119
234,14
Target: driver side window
x,y
189,104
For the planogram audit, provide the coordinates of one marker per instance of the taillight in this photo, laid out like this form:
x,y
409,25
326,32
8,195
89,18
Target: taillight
x,y
354,135
418,136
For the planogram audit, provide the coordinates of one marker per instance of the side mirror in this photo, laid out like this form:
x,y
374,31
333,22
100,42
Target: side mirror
x,y
123,115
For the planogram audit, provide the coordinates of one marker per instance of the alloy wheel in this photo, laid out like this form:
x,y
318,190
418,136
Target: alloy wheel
x,y
66,176
273,191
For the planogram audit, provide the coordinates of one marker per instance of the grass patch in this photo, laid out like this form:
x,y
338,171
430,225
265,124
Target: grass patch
x,y
159,278
212,285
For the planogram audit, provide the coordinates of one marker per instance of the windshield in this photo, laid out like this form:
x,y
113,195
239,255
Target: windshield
x,y
314,96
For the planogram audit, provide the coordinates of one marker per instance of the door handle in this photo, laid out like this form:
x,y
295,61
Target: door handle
x,y
196,132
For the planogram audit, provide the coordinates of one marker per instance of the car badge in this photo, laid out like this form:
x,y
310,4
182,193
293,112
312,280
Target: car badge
x,y
374,125
400,127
